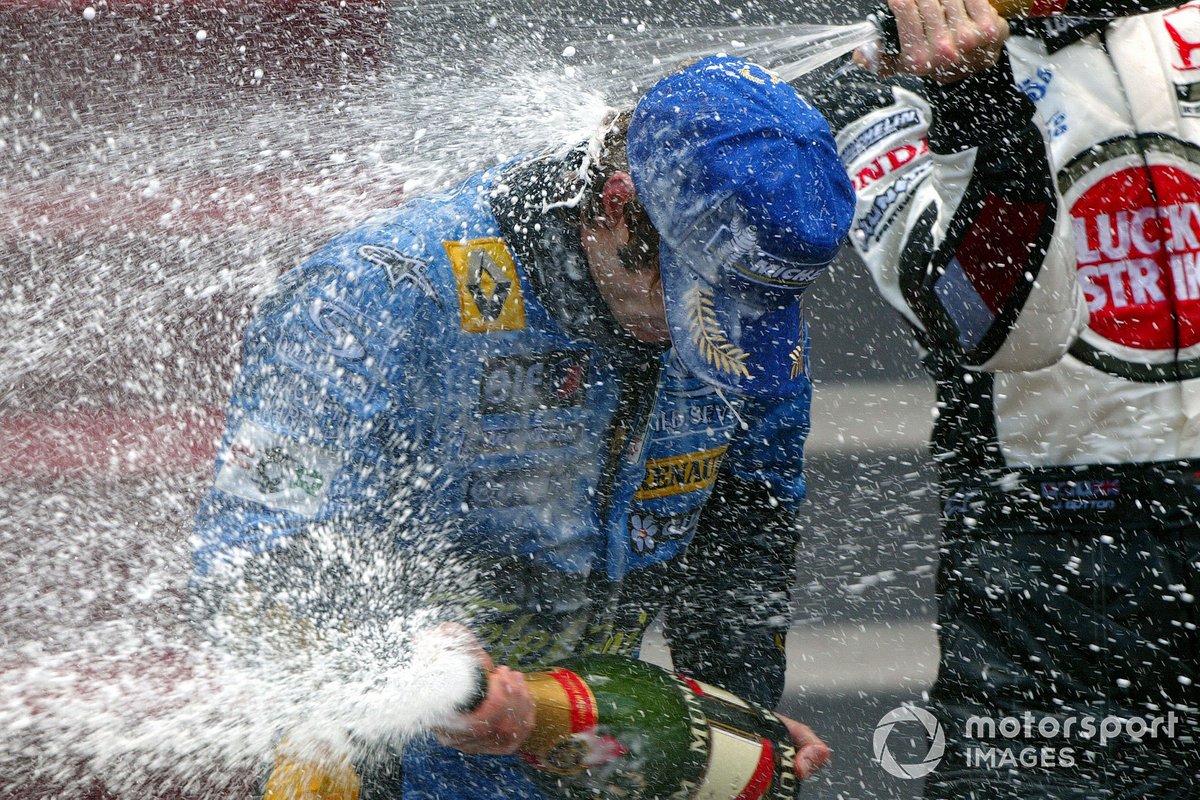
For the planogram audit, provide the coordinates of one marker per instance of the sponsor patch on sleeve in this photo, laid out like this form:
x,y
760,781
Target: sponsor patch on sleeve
x,y
489,291
554,379
885,127
886,208
672,475
400,268
278,472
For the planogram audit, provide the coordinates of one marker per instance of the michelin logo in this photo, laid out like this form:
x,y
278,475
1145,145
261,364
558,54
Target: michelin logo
x,y
766,269
883,129
887,206
735,246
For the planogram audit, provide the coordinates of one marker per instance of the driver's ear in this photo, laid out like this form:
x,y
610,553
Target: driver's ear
x,y
615,197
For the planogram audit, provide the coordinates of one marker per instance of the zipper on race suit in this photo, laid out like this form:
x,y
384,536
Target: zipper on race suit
x,y
636,395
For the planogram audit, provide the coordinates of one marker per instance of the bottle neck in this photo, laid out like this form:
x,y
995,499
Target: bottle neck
x,y
564,706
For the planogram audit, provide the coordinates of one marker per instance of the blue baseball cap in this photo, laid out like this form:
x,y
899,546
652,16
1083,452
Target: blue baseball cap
x,y
742,181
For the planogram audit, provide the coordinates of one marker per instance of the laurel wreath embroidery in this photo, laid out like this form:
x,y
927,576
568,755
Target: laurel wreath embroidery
x,y
714,345
797,356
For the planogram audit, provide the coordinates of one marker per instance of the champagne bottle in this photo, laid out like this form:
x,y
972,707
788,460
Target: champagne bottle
x,y
889,37
306,778
610,727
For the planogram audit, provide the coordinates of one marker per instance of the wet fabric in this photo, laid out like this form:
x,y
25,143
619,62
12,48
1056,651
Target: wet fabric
x,y
1095,620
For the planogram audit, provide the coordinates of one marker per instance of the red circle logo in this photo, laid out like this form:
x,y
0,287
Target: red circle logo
x,y
1137,238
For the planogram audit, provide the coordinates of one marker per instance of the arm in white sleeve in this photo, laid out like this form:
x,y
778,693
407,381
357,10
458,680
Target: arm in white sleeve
x,y
958,218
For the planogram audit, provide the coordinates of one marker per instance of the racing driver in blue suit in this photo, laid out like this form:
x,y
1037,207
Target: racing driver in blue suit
x,y
591,369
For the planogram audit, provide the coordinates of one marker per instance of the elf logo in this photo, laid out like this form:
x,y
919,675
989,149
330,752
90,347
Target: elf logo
x,y
556,379
1135,209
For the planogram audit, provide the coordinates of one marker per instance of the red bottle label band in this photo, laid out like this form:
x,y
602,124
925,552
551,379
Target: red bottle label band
x,y
760,781
580,701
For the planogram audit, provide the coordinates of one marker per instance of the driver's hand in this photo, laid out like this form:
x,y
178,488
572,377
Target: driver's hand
x,y
501,723
811,752
945,40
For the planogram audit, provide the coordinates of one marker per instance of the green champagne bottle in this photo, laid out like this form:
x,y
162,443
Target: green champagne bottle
x,y
611,727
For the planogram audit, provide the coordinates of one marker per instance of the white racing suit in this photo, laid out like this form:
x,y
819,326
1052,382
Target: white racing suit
x,y
1038,227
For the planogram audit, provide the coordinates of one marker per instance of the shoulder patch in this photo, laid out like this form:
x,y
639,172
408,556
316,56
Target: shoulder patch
x,y
279,472
489,291
400,268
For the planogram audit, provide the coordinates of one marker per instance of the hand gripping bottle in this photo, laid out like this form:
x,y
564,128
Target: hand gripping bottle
x,y
885,21
610,727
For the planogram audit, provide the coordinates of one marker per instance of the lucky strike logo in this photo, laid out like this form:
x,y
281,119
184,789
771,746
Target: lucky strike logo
x,y
1137,237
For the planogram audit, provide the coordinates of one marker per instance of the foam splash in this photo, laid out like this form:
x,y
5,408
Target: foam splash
x,y
146,717
139,233
790,50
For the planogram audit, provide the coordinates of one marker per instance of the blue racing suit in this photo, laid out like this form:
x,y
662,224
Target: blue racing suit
x,y
454,364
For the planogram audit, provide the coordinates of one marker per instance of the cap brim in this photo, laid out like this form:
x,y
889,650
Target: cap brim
x,y
726,337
